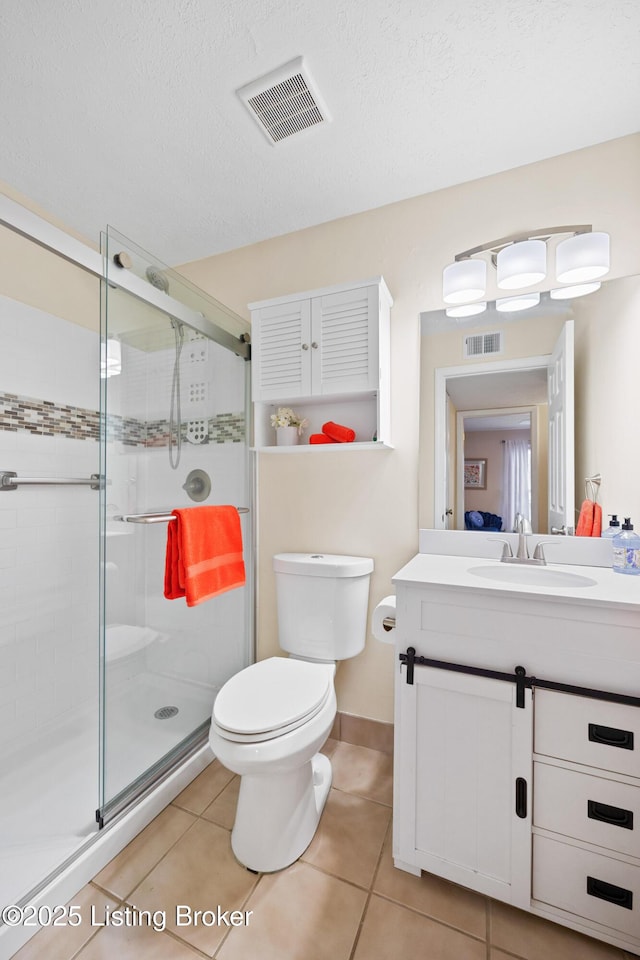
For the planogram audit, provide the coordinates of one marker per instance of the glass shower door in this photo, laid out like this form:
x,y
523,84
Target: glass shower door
x,y
173,435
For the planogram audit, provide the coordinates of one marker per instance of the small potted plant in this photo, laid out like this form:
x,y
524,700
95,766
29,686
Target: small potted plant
x,y
288,426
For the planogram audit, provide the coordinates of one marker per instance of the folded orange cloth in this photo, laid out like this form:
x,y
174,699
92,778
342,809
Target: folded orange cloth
x,y
597,520
320,438
337,432
585,520
204,554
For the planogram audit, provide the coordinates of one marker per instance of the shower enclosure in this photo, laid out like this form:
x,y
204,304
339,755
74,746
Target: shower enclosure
x,y
106,688
173,404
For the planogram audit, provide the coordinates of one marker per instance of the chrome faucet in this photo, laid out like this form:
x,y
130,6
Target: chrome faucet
x,y
523,529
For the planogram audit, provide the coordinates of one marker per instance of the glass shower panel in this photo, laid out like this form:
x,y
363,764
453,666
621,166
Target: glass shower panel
x,y
173,422
49,324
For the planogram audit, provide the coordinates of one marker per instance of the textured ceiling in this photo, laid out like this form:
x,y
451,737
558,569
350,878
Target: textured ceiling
x,y
124,112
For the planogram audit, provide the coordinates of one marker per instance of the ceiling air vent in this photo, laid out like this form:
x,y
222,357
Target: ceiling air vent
x,y
285,102
482,344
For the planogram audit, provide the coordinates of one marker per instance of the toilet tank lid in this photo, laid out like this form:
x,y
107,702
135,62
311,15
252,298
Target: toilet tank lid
x,y
321,565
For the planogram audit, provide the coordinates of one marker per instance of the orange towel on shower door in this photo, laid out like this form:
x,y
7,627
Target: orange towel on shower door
x,y
204,554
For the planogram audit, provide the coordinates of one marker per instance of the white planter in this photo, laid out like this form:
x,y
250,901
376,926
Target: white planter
x,y
286,436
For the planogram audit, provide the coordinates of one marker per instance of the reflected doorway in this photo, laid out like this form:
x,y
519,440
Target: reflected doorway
x,y
497,473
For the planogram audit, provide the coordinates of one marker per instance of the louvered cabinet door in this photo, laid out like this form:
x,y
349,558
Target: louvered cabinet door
x,y
281,351
344,341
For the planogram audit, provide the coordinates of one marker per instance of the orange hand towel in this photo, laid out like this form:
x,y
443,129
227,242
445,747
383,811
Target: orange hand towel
x,y
585,520
204,554
337,432
597,520
320,438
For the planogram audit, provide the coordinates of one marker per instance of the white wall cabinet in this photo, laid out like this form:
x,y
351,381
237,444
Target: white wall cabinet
x,y
326,354
526,792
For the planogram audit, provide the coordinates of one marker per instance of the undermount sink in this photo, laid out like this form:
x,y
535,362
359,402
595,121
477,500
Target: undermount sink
x,y
532,575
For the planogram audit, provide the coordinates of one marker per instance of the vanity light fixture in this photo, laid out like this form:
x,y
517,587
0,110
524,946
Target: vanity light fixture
x,y
521,261
464,280
521,264
514,304
466,309
575,290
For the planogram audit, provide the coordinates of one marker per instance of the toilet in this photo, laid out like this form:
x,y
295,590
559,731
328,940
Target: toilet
x,y
271,719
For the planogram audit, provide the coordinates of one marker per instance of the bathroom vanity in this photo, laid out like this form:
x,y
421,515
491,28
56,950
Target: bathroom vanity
x,y
517,736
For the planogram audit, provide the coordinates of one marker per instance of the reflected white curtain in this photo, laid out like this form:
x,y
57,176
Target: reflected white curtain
x,y
516,482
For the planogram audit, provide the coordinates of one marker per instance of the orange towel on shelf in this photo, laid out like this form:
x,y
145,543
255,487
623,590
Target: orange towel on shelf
x,y
320,438
337,432
204,554
597,520
585,520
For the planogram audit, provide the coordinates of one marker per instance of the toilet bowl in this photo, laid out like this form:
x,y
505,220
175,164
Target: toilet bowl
x,y
271,720
284,780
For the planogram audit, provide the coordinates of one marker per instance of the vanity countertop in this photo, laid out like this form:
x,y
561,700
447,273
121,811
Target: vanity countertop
x,y
586,584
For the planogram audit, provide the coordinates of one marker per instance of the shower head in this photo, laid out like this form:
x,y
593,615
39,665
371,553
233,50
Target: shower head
x,y
157,279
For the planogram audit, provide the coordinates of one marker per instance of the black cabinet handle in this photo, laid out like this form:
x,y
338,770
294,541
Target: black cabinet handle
x,y
611,736
616,816
608,891
521,797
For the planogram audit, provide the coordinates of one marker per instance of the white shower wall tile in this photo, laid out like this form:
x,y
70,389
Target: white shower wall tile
x,y
47,357
49,546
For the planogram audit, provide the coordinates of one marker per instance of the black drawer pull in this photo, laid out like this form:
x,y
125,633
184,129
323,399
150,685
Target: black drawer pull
x,y
521,797
608,891
611,736
616,816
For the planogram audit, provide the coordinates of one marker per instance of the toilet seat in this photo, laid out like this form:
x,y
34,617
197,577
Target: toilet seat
x,y
271,698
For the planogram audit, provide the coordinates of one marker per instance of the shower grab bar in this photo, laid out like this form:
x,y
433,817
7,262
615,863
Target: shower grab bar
x,y
9,480
157,517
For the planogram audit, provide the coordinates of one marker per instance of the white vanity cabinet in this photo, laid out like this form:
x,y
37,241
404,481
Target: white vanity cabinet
x,y
464,765
517,744
586,842
325,353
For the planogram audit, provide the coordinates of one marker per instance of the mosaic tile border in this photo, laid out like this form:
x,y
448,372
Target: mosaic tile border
x,y
48,419
44,418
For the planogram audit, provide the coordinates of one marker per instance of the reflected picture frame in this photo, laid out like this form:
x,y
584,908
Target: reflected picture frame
x,y
475,474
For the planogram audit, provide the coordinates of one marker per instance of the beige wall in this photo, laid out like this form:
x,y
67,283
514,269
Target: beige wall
x,y
367,502
42,279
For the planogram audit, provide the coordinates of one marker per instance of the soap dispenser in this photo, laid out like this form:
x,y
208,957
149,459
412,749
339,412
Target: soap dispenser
x,y
614,527
626,550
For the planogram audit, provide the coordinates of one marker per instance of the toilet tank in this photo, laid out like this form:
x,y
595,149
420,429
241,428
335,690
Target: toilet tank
x,y
322,604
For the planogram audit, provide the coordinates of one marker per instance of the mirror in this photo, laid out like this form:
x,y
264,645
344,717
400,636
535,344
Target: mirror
x,y
491,378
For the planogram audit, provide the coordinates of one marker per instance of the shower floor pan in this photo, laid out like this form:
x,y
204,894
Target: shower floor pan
x,y
49,788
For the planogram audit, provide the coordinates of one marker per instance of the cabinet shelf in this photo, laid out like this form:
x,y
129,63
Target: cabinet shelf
x,y
307,447
324,353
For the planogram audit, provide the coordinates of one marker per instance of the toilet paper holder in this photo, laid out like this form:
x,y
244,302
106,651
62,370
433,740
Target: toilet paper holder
x,y
389,623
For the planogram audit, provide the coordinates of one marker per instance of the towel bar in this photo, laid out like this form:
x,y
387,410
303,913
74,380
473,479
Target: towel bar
x,y
157,517
9,480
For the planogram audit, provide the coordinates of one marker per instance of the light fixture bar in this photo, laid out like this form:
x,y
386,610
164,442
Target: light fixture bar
x,y
543,234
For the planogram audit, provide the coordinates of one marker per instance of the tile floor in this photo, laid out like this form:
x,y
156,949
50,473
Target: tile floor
x,y
343,900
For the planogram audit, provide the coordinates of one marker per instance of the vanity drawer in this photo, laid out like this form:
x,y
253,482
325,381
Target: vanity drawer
x,y
593,732
590,885
599,811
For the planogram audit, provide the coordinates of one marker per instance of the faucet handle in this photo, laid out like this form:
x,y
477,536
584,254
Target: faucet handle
x,y
538,553
507,552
